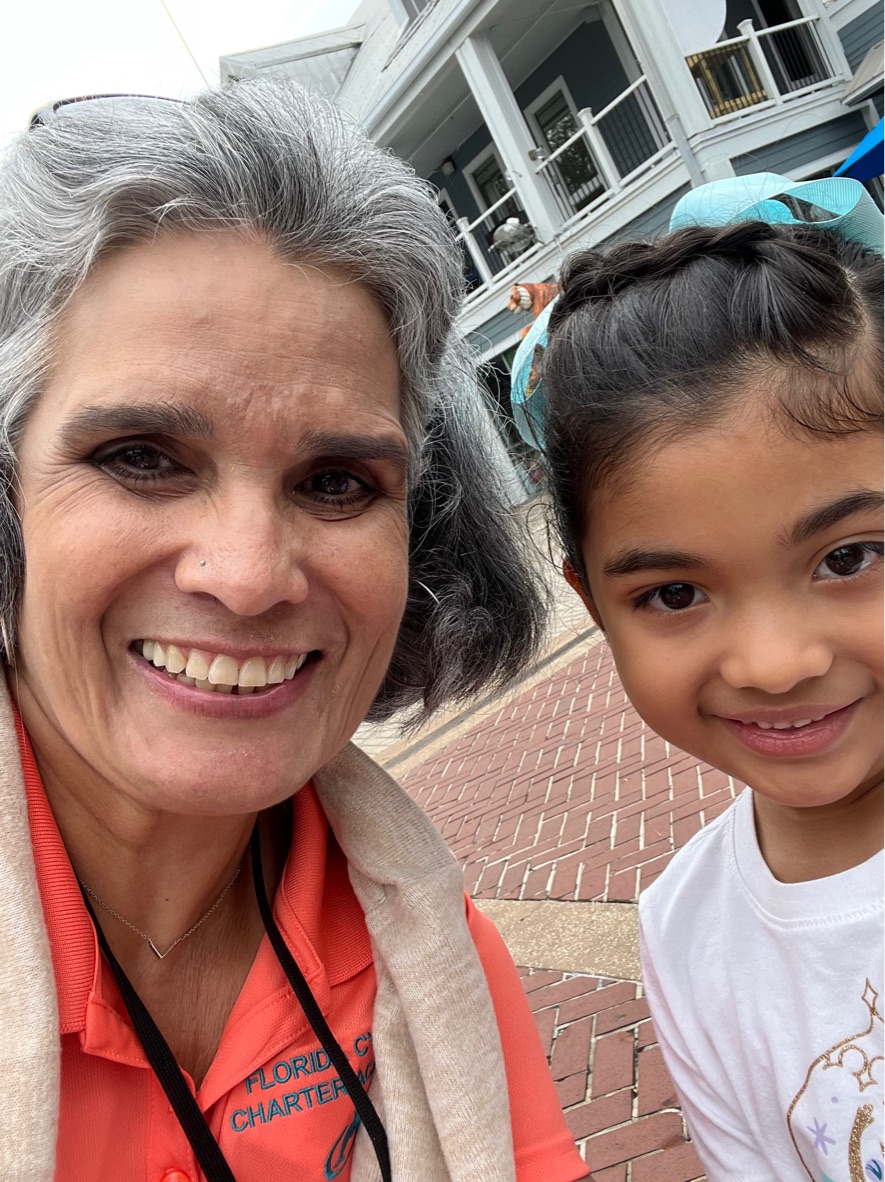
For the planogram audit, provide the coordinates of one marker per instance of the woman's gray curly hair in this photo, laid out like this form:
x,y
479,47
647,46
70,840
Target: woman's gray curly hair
x,y
266,157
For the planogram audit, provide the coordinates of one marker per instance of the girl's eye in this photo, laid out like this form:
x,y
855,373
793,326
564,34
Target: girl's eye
x,y
671,597
845,561
136,462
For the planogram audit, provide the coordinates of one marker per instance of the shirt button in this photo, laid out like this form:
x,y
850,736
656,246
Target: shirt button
x,y
175,1176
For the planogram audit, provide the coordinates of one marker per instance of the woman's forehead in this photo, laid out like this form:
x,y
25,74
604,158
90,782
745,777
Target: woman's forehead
x,y
214,275
214,321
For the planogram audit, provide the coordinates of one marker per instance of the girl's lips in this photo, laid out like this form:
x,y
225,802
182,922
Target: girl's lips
x,y
813,739
228,707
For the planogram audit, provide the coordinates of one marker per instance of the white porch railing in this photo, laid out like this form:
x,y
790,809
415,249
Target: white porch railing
x,y
608,149
486,257
761,66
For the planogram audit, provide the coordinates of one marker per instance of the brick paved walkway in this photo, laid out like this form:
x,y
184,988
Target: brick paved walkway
x,y
564,793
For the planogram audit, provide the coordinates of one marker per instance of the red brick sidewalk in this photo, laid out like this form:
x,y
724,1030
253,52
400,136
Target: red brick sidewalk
x,y
623,1111
564,793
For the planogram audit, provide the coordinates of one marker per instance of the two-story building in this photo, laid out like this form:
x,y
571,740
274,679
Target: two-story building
x,y
548,125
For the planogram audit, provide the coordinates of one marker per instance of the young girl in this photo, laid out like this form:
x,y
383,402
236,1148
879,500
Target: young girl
x,y
712,424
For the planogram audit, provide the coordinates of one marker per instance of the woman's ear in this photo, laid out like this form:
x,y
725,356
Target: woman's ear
x,y
574,581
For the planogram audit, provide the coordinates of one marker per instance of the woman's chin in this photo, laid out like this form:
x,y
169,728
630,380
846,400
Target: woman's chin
x,y
212,792
178,771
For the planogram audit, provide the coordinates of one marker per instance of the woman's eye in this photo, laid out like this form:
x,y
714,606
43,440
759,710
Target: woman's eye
x,y
136,462
336,486
849,560
671,597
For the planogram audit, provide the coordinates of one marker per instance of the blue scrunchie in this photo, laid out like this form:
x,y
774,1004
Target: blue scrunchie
x,y
835,203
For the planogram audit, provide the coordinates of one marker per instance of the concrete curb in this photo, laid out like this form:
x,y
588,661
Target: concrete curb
x,y
601,939
402,755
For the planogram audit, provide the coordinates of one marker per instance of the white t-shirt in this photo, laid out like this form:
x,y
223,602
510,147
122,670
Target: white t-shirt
x,y
767,998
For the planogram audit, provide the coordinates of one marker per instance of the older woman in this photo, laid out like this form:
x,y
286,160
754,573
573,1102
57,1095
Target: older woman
x,y
238,465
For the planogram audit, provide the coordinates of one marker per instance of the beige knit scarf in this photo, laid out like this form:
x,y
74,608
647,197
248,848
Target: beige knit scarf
x,y
439,1084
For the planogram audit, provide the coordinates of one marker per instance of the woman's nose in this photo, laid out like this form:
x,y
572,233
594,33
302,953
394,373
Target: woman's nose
x,y
246,557
775,651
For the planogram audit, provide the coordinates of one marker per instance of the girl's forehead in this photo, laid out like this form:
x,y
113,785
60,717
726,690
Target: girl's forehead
x,y
744,477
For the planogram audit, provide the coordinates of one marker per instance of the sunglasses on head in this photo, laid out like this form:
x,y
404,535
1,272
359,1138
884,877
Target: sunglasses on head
x,y
51,111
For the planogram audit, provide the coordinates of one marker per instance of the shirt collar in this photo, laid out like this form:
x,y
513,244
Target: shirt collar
x,y
71,934
316,908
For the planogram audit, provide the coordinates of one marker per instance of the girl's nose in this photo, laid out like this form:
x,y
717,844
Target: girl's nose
x,y
774,652
246,557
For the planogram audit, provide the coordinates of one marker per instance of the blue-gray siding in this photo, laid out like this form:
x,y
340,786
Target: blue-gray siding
x,y
860,35
795,151
498,328
588,62
651,223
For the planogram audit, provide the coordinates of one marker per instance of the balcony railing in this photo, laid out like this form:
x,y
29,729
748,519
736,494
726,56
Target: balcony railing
x,y
487,258
761,66
611,146
608,150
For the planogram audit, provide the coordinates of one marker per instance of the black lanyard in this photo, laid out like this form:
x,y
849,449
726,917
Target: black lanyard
x,y
206,1149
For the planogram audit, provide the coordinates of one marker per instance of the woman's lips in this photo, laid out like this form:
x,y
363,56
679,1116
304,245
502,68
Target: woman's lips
x,y
812,739
262,703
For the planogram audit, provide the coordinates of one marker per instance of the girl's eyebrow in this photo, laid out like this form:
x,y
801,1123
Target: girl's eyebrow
x,y
632,562
831,514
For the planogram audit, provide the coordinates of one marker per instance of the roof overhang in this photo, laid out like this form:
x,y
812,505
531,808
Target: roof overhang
x,y
867,78
320,62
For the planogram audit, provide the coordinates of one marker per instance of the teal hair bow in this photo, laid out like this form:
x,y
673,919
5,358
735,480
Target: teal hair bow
x,y
834,203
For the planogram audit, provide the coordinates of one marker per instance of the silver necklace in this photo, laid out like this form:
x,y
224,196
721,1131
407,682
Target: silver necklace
x,y
190,931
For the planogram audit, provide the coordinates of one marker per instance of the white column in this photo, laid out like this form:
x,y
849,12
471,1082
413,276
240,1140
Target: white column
x,y
508,129
674,89
759,60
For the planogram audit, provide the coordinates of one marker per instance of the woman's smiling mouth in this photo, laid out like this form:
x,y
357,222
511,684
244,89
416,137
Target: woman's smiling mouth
x,y
219,672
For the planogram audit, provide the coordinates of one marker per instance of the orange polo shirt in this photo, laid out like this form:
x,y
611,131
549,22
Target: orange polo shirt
x,y
273,1101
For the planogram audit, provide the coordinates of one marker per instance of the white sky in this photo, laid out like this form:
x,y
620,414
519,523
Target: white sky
x,y
61,48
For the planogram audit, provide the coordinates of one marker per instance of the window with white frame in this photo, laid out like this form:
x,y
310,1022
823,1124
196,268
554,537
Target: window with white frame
x,y
553,118
489,183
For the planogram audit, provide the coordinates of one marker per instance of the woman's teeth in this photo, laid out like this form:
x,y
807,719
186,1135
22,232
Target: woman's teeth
x,y
217,672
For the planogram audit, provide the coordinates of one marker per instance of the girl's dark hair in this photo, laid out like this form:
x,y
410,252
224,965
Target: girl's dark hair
x,y
651,341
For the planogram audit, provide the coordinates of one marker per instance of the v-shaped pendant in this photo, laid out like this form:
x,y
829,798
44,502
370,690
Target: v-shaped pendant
x,y
153,947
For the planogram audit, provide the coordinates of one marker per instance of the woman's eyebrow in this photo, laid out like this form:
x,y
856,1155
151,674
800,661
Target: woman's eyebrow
x,y
356,446
632,562
149,418
831,514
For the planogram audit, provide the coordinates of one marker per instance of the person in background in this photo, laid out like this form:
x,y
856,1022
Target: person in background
x,y
245,505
